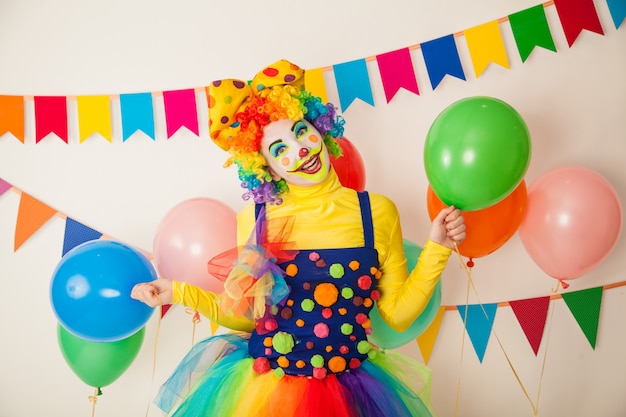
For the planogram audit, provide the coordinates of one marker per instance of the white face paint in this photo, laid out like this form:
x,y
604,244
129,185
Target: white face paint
x,y
295,151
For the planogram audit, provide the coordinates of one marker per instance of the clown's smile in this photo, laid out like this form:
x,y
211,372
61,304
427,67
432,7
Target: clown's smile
x,y
311,165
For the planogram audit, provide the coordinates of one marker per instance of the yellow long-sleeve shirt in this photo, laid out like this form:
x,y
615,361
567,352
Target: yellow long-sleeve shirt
x,y
327,216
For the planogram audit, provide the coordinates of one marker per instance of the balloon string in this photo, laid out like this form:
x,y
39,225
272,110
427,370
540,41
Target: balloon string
x,y
195,319
543,365
508,359
93,399
154,360
458,385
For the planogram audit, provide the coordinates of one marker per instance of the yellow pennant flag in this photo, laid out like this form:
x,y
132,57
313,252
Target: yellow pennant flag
x,y
485,46
214,327
94,116
314,83
426,341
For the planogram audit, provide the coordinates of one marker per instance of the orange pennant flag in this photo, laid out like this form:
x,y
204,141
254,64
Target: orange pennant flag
x,y
31,215
12,116
426,341
94,116
485,45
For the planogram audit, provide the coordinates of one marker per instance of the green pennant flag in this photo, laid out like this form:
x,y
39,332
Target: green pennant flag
x,y
530,28
585,307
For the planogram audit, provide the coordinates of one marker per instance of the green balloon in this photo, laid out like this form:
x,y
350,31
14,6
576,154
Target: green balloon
x,y
387,338
476,152
98,364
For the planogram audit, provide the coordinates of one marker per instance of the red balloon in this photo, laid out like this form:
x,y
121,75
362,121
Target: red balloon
x,y
487,229
349,166
189,236
572,221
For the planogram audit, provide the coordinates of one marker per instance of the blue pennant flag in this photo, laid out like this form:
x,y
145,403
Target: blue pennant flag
x,y
442,58
617,8
478,325
137,114
353,82
77,233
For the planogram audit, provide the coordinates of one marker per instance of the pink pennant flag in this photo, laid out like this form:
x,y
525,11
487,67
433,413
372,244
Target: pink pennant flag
x,y
576,15
50,117
396,71
531,315
180,111
4,186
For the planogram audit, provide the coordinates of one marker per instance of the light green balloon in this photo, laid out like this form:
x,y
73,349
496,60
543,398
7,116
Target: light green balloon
x,y
387,338
476,152
98,364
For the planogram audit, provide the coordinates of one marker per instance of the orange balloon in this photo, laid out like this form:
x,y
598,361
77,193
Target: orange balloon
x,y
487,229
349,166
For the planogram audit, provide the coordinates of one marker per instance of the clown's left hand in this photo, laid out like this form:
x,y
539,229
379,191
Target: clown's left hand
x,y
448,228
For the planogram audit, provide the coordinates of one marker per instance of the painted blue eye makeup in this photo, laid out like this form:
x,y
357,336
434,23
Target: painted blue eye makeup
x,y
276,148
300,128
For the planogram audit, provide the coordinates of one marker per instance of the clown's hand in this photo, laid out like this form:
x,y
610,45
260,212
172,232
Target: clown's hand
x,y
154,293
448,228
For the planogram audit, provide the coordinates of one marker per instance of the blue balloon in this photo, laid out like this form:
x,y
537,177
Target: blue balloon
x,y
387,338
91,286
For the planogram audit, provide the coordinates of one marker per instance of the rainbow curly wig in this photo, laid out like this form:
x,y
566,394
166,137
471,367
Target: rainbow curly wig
x,y
272,104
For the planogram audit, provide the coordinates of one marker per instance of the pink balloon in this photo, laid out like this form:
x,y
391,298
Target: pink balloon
x,y
572,222
190,235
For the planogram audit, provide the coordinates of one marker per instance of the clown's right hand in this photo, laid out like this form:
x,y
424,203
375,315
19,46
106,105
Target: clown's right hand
x,y
154,293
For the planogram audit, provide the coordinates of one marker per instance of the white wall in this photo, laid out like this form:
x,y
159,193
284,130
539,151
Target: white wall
x,y
573,102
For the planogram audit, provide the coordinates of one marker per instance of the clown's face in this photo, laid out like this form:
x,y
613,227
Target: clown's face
x,y
296,152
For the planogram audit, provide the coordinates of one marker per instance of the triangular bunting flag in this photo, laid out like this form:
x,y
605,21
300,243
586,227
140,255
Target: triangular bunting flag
x,y
585,307
485,46
353,81
4,186
617,8
315,84
94,116
442,58
77,233
31,215
530,28
531,315
396,71
180,111
12,116
478,325
50,117
576,15
426,341
137,114
214,327
164,309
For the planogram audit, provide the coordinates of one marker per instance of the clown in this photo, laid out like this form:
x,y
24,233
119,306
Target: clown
x,y
313,258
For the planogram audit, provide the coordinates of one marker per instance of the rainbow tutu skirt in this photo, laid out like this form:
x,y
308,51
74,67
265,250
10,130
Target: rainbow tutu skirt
x,y
216,378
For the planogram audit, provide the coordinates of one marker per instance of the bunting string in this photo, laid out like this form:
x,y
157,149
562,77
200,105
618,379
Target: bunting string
x,y
477,319
182,108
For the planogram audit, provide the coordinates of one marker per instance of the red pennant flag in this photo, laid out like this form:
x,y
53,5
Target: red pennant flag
x,y
531,315
576,15
31,215
12,116
50,117
180,110
164,309
396,71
